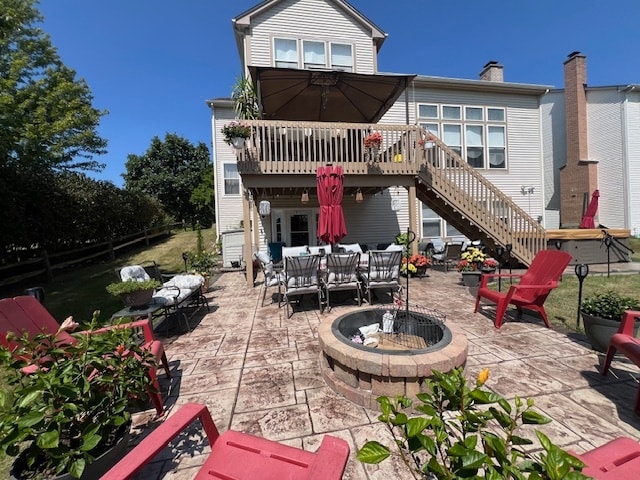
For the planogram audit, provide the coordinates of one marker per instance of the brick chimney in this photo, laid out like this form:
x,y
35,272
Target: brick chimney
x,y
492,72
579,176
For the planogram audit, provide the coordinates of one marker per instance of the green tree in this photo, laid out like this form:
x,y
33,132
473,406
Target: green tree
x,y
171,171
47,121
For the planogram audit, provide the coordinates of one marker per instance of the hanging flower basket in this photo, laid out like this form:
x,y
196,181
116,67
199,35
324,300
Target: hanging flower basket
x,y
235,133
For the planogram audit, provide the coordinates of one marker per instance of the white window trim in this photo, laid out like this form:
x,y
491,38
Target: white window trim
x,y
327,52
224,181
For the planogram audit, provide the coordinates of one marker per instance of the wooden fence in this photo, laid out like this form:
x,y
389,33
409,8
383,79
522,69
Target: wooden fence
x,y
45,264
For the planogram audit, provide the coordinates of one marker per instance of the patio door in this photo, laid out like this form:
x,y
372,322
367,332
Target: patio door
x,y
295,227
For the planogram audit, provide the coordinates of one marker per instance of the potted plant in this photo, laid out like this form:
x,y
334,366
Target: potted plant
x,y
373,142
601,315
235,133
456,431
133,293
489,265
415,265
68,407
202,263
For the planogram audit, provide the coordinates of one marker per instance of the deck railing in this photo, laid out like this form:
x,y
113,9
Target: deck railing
x,y
279,147
475,197
282,147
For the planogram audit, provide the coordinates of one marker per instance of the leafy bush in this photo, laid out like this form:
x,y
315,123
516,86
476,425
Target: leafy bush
x,y
121,288
452,438
609,305
70,397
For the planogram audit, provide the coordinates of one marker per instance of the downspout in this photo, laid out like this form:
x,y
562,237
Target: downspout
x,y
624,107
214,150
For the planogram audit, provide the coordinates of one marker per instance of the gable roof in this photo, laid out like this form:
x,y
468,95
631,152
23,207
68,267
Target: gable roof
x,y
241,22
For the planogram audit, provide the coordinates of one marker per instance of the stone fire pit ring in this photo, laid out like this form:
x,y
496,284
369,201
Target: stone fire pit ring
x,y
362,375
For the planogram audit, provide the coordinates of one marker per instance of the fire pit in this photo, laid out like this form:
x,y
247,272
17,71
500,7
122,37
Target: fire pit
x,y
398,361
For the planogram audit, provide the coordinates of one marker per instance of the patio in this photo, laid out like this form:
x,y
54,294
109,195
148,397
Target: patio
x,y
258,372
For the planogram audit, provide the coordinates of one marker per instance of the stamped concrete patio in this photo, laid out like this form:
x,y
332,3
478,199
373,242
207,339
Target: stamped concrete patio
x,y
258,372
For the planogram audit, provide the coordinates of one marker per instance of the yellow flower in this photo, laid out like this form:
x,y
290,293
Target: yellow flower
x,y
483,376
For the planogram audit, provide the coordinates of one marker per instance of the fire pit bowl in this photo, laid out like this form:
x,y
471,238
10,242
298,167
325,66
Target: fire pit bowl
x,y
420,341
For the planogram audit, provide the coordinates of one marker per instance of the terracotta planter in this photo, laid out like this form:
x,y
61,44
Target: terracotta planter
x,y
600,330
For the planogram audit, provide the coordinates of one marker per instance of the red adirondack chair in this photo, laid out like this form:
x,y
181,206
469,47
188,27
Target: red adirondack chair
x,y
237,456
532,289
27,315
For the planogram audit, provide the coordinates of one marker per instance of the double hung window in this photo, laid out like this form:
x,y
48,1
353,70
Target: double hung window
x,y
312,54
231,179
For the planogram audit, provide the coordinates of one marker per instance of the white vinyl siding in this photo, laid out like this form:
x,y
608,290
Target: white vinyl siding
x,y
632,117
555,154
335,25
606,145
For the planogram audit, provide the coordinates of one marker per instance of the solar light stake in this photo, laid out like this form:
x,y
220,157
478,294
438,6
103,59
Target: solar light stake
x,y
558,244
582,270
500,252
185,255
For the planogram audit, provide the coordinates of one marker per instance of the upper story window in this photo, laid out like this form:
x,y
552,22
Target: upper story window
x,y
285,53
480,138
315,54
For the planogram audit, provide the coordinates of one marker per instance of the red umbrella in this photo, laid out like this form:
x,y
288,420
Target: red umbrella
x,y
331,225
590,213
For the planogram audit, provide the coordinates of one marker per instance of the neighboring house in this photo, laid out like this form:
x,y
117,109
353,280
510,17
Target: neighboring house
x,y
315,63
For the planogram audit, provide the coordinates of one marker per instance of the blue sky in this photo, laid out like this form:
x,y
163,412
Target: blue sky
x,y
154,63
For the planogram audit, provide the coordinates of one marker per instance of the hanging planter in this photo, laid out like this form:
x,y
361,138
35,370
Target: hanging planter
x,y
238,143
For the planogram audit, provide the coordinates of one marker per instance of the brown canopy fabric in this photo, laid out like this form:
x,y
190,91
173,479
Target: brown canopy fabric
x,y
326,95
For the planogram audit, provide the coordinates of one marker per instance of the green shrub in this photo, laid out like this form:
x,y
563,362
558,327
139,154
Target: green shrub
x,y
609,305
453,438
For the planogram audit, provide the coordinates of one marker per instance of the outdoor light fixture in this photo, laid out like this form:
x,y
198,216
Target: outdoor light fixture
x,y
264,208
185,255
359,196
305,196
582,270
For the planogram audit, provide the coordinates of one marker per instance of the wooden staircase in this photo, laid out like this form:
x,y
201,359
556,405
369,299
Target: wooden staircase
x,y
474,206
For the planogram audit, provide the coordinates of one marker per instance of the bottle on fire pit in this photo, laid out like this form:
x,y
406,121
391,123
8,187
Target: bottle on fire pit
x,y
387,322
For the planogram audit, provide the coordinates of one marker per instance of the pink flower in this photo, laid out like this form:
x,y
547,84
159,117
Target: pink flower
x,y
68,324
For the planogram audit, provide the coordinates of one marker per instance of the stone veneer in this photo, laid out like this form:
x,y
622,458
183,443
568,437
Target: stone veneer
x,y
362,376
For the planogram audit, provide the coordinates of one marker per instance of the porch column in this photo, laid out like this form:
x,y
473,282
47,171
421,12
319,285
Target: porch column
x,y
247,237
413,217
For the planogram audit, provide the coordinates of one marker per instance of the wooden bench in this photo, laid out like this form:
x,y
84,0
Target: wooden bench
x,y
627,344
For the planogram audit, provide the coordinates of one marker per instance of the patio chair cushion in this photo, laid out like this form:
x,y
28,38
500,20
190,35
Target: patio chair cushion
x,y
316,250
394,248
335,278
263,257
295,251
351,247
294,281
134,272
180,287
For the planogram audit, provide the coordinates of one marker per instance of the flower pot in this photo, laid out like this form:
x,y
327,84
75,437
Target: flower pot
x,y
93,470
471,279
137,299
205,286
238,143
421,271
600,330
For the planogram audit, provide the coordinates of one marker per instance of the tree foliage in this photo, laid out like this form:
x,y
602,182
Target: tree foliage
x,y
47,121
178,175
63,211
